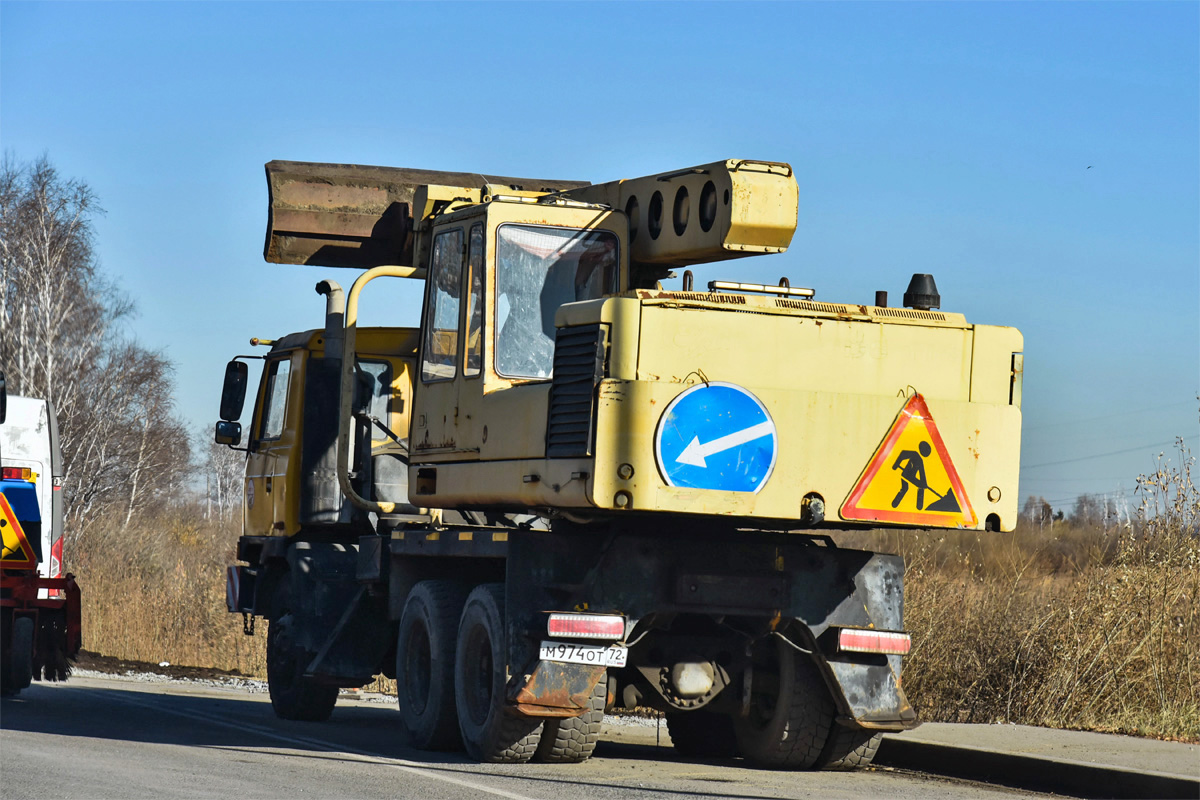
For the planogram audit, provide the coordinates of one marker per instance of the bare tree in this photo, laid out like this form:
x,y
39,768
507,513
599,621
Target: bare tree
x,y
61,339
224,469
1037,511
1098,510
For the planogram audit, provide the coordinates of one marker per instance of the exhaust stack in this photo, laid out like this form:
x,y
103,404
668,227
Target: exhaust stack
x,y
335,317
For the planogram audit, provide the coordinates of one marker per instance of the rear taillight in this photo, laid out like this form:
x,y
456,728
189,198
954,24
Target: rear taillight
x,y
858,640
17,474
587,626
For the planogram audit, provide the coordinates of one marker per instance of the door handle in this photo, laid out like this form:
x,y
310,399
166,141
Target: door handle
x,y
267,483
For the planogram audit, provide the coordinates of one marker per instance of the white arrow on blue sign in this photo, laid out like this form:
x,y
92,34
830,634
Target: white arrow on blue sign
x,y
716,436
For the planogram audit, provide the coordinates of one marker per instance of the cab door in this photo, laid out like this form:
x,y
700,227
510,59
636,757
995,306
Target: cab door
x,y
451,342
273,436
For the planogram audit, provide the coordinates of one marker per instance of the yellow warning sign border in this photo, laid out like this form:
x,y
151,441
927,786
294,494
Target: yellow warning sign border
x,y
10,561
914,408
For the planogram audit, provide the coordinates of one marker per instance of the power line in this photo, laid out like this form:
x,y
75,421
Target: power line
x,y
1088,479
1107,416
1102,455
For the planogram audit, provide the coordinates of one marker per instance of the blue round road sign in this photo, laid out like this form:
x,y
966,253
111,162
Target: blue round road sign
x,y
716,436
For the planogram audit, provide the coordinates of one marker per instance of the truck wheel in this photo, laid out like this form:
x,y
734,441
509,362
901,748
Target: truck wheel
x,y
425,664
849,748
702,734
569,740
480,676
791,712
292,695
20,655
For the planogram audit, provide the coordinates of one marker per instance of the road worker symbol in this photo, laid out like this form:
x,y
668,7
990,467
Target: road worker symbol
x,y
912,472
911,480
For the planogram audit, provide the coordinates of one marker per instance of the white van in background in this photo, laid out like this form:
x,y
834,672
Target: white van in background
x,y
29,451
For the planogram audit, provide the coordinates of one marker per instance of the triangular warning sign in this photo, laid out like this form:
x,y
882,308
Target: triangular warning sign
x,y
910,480
17,553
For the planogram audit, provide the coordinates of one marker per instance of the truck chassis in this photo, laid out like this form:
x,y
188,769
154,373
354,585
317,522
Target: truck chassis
x,y
722,627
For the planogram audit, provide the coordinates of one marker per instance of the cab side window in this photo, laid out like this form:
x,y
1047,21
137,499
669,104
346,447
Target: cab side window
x,y
475,303
275,398
441,323
375,394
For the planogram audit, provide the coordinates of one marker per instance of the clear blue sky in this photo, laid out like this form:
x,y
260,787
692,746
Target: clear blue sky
x,y
950,138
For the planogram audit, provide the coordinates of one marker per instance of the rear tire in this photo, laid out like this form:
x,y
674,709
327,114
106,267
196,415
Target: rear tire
x,y
569,740
791,713
849,748
480,676
425,664
292,695
20,655
702,734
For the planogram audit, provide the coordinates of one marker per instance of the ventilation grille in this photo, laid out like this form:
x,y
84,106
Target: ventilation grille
x,y
904,313
578,366
704,297
825,308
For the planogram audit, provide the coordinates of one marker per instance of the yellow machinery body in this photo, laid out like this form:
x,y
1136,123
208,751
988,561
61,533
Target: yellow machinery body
x,y
571,417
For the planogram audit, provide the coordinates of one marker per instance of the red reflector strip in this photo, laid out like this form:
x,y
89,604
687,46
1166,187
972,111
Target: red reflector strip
x,y
17,473
587,626
56,554
863,641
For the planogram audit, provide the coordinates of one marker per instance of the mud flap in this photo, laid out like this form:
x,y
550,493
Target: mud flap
x,y
871,695
239,589
554,689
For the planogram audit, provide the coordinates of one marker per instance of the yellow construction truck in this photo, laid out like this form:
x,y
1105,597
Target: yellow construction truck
x,y
570,486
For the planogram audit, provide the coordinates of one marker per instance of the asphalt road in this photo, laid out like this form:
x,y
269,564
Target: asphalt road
x,y
115,737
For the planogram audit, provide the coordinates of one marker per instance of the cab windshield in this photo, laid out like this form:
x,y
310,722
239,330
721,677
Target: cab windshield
x,y
539,269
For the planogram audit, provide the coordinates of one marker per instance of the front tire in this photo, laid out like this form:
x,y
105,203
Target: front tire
x,y
489,734
425,664
791,713
293,696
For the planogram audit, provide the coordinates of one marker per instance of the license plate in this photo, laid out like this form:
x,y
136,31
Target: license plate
x,y
611,656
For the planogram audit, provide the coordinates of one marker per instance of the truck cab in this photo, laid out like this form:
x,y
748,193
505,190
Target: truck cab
x,y
290,480
30,456
499,272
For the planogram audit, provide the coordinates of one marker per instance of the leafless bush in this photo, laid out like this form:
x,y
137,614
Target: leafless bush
x,y
1089,626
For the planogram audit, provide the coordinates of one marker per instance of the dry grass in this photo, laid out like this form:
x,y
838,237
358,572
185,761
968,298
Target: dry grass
x,y
155,591
1070,626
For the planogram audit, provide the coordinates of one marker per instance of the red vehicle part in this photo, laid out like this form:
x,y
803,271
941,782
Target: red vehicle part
x,y
57,629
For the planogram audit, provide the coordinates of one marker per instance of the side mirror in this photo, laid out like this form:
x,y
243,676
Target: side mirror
x,y
233,393
229,433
